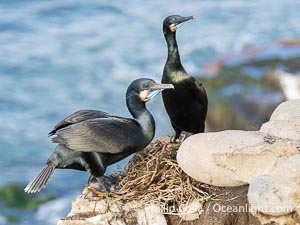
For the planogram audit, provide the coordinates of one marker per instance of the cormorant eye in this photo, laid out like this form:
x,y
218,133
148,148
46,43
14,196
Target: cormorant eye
x,y
146,85
174,20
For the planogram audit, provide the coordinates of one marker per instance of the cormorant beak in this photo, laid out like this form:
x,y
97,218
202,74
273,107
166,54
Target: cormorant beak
x,y
157,88
174,26
184,19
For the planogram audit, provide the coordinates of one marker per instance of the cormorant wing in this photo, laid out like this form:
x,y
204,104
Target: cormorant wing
x,y
78,117
105,135
198,91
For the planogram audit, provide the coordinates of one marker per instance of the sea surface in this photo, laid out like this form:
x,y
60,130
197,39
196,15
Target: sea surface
x,y
57,57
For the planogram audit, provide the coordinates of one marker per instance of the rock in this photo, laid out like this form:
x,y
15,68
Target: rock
x,y
103,212
105,219
91,212
287,110
207,148
230,158
191,211
266,195
74,222
285,121
287,174
290,219
230,207
81,205
278,193
151,215
287,129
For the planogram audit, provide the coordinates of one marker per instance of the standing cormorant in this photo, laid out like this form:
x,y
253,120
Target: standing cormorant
x,y
91,140
186,105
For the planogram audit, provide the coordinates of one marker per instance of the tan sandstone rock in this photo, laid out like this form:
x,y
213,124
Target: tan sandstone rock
x,y
285,121
231,157
191,211
277,193
287,110
151,215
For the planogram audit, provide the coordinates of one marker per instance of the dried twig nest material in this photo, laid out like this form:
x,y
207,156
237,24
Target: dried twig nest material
x,y
153,176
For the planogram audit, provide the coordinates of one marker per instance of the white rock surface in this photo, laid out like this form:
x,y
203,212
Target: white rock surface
x,y
266,195
231,157
287,129
285,121
278,193
74,222
102,212
81,205
191,211
151,215
288,110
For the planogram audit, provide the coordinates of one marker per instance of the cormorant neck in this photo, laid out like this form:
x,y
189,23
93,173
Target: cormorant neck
x,y
173,59
135,106
140,113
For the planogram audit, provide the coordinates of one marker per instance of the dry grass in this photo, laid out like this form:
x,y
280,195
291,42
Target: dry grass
x,y
153,175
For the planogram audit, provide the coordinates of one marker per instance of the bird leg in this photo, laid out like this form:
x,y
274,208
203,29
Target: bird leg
x,y
182,137
103,185
177,135
173,140
89,181
98,183
178,140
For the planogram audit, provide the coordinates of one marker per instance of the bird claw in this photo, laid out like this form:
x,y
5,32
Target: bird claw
x,y
103,184
178,140
182,137
173,140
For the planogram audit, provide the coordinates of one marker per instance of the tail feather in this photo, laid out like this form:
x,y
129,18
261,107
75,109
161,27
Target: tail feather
x,y
41,180
38,179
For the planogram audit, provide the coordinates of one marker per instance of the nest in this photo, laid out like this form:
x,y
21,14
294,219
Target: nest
x,y
153,176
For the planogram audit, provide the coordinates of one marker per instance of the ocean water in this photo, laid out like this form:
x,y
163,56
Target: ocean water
x,y
57,57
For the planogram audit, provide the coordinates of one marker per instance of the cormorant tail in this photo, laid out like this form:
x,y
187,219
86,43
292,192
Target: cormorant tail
x,y
41,180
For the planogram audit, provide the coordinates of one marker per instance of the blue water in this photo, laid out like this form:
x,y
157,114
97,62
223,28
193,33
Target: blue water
x,y
60,56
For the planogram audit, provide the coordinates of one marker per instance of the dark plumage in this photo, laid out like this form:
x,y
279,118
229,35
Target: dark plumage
x,y
91,140
186,105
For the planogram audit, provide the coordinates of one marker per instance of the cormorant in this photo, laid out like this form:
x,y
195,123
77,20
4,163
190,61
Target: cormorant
x,y
186,105
91,140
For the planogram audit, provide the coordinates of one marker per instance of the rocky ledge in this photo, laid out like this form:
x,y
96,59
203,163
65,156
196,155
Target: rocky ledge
x,y
235,177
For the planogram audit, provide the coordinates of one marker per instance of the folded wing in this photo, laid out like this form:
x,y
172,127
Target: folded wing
x,y
78,117
105,135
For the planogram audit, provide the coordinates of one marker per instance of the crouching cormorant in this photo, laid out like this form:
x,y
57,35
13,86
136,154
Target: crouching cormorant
x,y
91,140
186,105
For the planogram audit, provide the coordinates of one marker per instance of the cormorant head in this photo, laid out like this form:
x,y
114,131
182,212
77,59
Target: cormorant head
x,y
146,89
173,22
